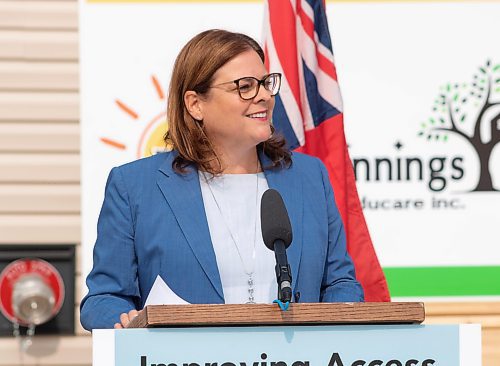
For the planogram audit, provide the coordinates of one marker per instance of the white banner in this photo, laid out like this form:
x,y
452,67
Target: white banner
x,y
414,76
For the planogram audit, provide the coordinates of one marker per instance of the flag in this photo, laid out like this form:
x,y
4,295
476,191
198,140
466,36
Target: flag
x,y
308,111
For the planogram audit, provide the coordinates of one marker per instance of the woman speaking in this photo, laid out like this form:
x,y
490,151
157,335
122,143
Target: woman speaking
x,y
192,215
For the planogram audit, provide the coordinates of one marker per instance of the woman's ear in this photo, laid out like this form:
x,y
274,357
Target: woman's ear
x,y
192,101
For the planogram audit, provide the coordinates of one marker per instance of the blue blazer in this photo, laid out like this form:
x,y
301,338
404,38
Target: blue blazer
x,y
153,222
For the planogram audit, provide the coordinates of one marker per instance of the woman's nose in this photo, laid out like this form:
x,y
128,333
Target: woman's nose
x,y
262,95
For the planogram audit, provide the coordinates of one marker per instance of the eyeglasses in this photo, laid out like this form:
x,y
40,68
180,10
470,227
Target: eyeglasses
x,y
248,87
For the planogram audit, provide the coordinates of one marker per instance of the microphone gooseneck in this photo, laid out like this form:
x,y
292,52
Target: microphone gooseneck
x,y
277,235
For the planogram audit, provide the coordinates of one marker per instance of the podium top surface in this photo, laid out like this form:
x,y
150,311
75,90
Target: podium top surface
x,y
209,315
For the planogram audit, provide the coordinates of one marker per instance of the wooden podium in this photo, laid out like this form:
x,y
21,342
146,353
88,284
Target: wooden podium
x,y
263,314
316,334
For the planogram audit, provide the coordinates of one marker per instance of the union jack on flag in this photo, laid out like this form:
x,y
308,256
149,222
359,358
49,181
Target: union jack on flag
x,y
308,112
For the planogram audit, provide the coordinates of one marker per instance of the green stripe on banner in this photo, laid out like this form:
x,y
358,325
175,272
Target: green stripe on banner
x,y
443,281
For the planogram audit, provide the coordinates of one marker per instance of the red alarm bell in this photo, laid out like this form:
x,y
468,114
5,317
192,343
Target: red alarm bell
x,y
31,291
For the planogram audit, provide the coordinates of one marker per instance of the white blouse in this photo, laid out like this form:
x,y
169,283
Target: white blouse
x,y
232,206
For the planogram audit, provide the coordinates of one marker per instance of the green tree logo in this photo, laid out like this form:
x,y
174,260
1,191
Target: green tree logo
x,y
472,111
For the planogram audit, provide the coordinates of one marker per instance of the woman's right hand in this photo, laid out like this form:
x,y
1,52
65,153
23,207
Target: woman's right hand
x,y
126,318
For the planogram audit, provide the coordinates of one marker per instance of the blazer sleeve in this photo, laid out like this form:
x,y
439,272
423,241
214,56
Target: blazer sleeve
x,y
113,285
339,279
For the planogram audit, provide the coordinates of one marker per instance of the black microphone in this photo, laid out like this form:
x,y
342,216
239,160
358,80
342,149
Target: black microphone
x,y
277,235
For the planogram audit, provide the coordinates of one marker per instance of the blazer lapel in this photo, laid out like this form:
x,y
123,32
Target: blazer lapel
x,y
289,185
183,194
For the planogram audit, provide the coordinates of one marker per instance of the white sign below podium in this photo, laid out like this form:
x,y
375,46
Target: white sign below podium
x,y
353,345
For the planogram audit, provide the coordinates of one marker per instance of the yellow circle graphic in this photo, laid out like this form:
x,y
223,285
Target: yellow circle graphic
x,y
152,139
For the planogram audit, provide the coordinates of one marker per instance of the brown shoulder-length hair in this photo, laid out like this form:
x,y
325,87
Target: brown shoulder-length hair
x,y
193,70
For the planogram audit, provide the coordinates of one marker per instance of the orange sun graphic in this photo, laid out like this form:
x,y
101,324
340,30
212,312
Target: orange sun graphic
x,y
151,140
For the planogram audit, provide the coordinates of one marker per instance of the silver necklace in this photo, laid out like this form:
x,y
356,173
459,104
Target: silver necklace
x,y
248,272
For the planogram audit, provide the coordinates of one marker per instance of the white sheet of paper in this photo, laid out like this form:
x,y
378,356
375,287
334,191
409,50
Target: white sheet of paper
x,y
161,294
